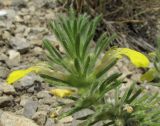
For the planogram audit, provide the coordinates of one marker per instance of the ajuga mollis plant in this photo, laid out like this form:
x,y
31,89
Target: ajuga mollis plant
x,y
85,68
81,64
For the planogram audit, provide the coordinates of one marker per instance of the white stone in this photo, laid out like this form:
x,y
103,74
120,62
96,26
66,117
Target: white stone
x,y
10,119
3,12
14,58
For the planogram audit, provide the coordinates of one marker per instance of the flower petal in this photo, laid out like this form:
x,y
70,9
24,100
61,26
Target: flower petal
x,y
137,58
18,74
62,92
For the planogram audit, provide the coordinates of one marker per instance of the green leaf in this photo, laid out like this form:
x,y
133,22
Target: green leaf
x,y
100,72
51,79
51,49
108,81
149,75
134,96
103,42
77,65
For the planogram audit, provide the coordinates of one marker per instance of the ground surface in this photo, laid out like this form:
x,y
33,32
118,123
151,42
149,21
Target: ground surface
x,y
22,30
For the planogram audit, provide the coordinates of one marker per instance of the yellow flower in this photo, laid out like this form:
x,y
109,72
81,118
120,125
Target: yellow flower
x,y
137,58
18,74
62,92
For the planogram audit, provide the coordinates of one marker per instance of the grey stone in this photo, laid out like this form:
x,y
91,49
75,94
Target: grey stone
x,y
6,101
7,89
14,58
37,50
65,120
49,101
6,35
3,12
83,113
6,2
11,13
31,89
43,94
3,72
27,82
42,107
65,101
20,44
26,32
45,3
19,111
1,93
24,100
20,28
40,117
30,108
50,122
18,19
19,2
1,42
76,122
11,119
2,24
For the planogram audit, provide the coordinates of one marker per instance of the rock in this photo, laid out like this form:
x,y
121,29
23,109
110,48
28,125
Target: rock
x,y
51,4
42,107
24,100
45,3
3,72
37,30
6,2
14,58
99,124
10,119
3,12
27,82
65,101
49,101
19,2
67,119
1,42
43,94
7,89
6,101
2,24
11,13
3,57
83,113
26,32
76,122
20,44
37,50
31,90
19,111
50,122
20,28
6,35
30,108
18,19
35,41
1,93
40,117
